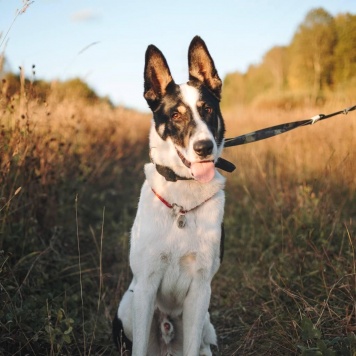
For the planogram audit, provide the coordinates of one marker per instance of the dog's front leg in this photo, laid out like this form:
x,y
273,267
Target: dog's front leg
x,y
195,308
143,308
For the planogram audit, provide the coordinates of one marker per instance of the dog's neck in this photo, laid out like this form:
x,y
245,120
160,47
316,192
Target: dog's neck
x,y
185,193
169,174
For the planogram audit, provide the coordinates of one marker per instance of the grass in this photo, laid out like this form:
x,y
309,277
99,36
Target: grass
x,y
290,220
70,175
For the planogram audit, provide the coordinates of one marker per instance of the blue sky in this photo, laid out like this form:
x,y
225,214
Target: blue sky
x,y
104,41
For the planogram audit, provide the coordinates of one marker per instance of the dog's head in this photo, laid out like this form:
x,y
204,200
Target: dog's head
x,y
187,134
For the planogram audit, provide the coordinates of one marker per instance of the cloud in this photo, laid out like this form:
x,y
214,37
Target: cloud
x,y
84,15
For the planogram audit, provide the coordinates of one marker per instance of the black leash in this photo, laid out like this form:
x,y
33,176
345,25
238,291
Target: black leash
x,y
254,136
279,129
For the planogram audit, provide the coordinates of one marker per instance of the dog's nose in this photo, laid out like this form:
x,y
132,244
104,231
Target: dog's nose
x,y
203,148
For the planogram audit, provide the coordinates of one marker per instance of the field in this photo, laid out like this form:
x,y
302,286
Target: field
x,y
70,175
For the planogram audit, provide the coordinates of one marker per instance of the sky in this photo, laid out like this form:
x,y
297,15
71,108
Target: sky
x,y
103,42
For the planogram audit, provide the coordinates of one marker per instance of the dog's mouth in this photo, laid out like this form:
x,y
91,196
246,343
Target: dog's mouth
x,y
202,171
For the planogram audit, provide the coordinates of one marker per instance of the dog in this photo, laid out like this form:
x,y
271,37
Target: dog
x,y
176,244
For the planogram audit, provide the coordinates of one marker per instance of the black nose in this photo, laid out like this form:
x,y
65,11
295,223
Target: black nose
x,y
203,147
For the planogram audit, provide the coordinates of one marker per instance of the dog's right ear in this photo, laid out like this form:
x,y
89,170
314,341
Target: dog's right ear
x,y
157,76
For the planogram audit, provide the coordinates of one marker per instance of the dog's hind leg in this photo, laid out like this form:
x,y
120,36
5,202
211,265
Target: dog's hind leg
x,y
122,342
122,324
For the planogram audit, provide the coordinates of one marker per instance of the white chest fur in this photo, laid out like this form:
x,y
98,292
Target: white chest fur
x,y
170,256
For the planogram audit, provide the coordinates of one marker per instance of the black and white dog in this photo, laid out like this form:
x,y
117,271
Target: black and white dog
x,y
177,237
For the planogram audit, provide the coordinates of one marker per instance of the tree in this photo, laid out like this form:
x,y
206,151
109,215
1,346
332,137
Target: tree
x,y
233,89
311,52
74,88
259,80
345,50
276,61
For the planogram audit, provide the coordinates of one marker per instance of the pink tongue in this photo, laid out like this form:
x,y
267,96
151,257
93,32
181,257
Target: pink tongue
x,y
203,171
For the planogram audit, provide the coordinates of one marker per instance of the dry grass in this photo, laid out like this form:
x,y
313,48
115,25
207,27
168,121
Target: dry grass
x,y
324,149
288,283
70,174
61,163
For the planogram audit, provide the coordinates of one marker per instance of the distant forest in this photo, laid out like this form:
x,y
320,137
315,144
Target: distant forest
x,y
320,60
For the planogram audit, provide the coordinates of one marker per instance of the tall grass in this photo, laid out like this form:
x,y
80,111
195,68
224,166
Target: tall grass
x,y
70,175
290,218
62,162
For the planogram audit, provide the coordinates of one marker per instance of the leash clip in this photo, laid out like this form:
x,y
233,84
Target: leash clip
x,y
347,110
315,118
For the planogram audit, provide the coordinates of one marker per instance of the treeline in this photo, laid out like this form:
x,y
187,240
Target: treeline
x,y
320,59
12,85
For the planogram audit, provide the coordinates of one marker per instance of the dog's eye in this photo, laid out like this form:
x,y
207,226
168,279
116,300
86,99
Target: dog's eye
x,y
175,116
208,109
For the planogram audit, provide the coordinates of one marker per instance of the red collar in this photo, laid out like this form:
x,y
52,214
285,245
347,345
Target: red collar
x,y
175,206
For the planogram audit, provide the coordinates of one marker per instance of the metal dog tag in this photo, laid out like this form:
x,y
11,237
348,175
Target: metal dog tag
x,y
181,221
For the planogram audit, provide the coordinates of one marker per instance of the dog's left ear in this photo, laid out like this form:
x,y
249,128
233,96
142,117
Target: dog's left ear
x,y
201,66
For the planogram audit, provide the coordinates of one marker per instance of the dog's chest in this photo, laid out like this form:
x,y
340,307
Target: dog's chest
x,y
171,255
177,275
158,237
158,245
168,258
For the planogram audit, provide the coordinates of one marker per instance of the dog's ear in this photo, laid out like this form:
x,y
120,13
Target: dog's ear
x,y
157,76
201,66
